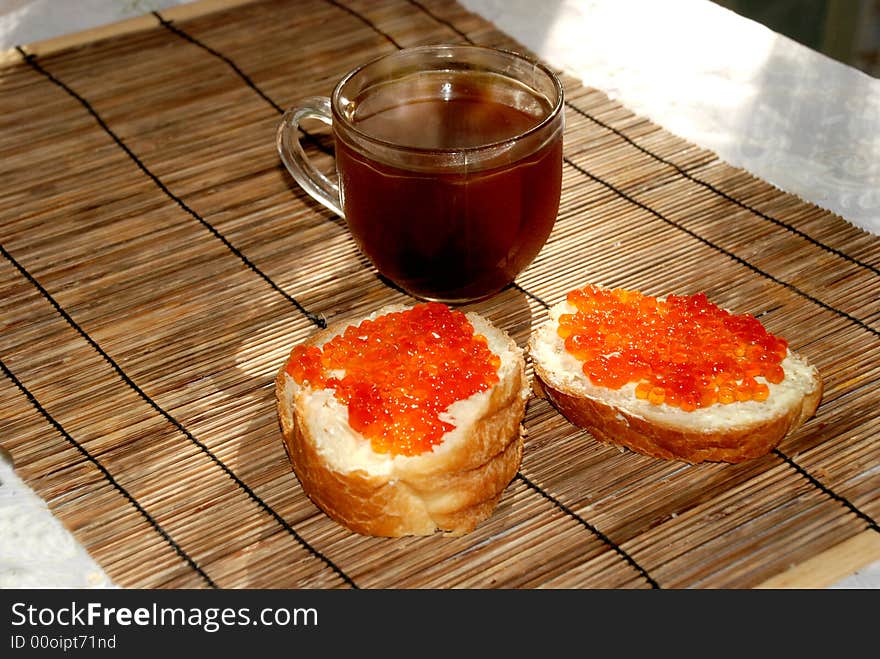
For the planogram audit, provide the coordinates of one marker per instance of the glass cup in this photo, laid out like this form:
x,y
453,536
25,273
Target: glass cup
x,y
449,165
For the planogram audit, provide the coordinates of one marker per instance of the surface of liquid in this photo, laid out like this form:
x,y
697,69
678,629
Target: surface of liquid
x,y
447,124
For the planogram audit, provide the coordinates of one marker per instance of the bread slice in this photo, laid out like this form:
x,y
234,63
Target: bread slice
x,y
450,488
721,432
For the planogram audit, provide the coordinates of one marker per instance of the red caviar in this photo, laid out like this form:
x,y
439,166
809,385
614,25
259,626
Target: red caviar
x,y
401,371
682,350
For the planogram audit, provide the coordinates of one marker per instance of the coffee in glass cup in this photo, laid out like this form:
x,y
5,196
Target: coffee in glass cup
x,y
449,164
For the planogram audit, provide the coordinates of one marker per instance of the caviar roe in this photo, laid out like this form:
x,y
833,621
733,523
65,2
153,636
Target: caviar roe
x,y
396,374
682,350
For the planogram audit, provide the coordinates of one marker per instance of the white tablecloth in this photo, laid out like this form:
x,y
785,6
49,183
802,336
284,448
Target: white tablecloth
x,y
795,118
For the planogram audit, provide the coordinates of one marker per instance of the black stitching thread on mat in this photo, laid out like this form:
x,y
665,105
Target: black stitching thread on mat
x,y
31,60
815,482
680,170
726,196
530,294
422,8
170,26
568,511
184,35
174,422
366,22
125,493
729,254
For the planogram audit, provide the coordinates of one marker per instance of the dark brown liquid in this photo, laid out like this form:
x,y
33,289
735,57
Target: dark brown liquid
x,y
450,234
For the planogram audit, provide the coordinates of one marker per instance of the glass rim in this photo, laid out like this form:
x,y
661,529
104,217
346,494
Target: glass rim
x,y
551,115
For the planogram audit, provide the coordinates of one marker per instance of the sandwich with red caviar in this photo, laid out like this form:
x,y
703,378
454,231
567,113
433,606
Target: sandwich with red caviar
x,y
675,378
408,422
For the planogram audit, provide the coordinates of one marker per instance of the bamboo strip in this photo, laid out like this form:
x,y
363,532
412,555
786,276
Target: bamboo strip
x,y
830,566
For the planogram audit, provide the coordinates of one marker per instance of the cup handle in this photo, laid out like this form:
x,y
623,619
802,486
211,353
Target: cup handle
x,y
321,188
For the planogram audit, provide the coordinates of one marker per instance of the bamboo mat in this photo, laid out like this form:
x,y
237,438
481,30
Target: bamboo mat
x,y
158,263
